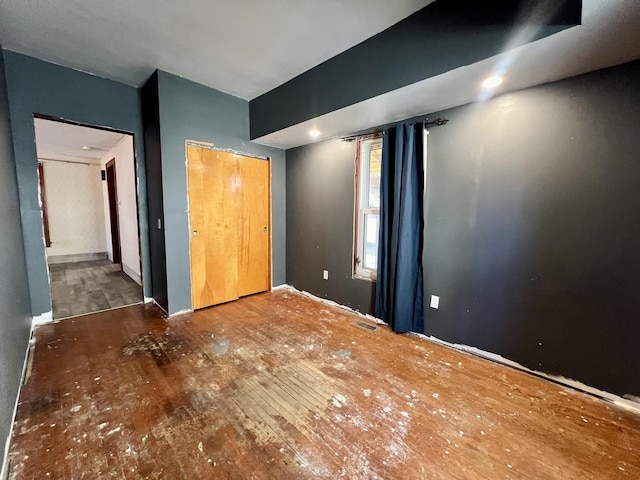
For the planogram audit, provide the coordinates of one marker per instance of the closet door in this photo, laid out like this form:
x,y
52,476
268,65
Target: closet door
x,y
254,220
213,209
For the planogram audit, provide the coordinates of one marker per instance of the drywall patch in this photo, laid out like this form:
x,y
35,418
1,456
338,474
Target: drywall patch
x,y
42,319
333,304
179,312
628,402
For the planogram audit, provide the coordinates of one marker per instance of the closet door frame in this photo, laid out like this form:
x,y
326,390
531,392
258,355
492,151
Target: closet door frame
x,y
211,146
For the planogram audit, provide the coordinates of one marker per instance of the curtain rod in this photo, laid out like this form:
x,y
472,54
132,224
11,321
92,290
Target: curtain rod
x,y
438,122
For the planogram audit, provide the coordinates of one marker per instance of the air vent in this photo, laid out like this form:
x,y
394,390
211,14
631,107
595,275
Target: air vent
x,y
366,326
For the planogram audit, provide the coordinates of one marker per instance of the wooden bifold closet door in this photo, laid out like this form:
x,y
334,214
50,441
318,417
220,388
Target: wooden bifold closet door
x,y
229,215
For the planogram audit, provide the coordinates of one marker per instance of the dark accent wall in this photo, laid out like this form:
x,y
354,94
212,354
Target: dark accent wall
x,y
151,122
444,35
15,308
532,224
320,210
190,111
532,228
35,86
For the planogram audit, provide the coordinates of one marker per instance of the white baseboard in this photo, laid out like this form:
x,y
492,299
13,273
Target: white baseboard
x,y
179,312
132,274
628,402
331,303
76,257
42,319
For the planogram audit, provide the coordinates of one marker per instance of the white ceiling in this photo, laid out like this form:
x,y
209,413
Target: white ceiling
x,y
248,47
57,140
610,35
242,47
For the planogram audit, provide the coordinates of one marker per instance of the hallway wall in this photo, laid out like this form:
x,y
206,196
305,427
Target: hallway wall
x,y
75,208
122,152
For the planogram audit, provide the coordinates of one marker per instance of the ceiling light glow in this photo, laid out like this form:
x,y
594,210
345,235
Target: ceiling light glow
x,y
492,82
314,133
87,148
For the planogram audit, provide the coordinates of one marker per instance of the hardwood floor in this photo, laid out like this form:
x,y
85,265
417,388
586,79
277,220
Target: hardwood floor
x,y
85,287
279,386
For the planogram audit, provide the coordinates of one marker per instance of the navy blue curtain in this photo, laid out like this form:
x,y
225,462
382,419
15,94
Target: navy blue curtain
x,y
399,285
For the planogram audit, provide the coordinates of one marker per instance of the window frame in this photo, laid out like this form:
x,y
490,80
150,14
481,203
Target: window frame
x,y
362,188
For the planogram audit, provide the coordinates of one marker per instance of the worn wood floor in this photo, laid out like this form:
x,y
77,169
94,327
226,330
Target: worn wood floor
x,y
279,386
85,287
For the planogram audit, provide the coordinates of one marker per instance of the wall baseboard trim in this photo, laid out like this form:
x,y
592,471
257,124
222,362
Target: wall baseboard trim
x,y
42,319
178,313
628,402
79,257
132,274
331,303
26,370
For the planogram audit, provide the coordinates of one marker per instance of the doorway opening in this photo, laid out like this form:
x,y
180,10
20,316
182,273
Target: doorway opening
x,y
90,217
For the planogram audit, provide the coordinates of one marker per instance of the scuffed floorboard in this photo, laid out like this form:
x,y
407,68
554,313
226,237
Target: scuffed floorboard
x,y
279,386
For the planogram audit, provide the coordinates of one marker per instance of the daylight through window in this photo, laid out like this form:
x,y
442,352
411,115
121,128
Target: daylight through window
x,y
368,170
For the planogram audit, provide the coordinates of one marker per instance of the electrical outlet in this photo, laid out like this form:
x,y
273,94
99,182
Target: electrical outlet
x,y
435,301
325,274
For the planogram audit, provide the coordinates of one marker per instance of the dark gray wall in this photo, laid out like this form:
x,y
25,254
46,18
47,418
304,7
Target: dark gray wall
x,y
151,121
444,35
320,209
531,226
15,309
36,86
190,111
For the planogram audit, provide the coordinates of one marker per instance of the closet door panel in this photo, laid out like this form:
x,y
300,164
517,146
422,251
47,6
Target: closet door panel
x,y
213,207
254,236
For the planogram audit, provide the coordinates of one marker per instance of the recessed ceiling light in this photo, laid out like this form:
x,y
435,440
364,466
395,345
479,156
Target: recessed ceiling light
x,y
314,133
492,82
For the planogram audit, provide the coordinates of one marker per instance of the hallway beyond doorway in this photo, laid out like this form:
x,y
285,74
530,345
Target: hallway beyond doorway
x,y
85,287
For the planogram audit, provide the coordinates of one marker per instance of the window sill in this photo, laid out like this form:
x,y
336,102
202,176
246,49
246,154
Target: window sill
x,y
364,276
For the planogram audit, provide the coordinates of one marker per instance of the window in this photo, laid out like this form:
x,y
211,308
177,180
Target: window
x,y
367,207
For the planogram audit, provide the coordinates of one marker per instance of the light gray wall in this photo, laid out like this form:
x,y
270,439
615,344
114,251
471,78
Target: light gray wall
x,y
190,111
15,309
35,86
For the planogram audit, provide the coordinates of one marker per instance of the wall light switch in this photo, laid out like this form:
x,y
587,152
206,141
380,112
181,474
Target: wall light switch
x,y
435,301
325,274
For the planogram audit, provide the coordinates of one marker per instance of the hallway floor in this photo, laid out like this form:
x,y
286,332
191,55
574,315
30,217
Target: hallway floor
x,y
85,287
280,386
